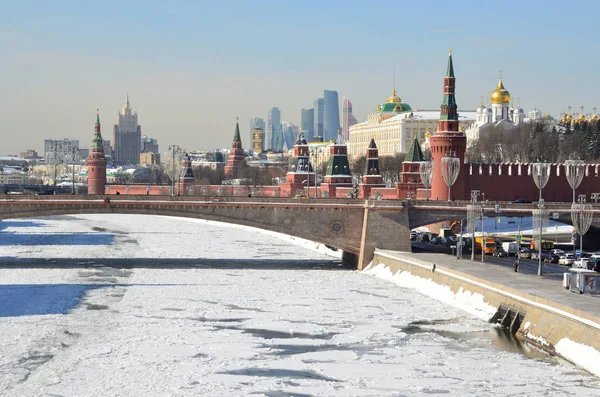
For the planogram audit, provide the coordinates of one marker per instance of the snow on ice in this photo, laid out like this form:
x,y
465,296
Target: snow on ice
x,y
189,308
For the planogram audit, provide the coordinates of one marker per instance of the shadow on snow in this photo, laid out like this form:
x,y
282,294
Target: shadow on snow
x,y
174,263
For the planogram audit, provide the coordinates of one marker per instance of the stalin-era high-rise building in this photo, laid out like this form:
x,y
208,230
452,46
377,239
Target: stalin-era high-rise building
x,y
96,162
127,136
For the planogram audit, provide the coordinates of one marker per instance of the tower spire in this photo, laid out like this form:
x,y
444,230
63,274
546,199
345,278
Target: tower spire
x,y
236,134
450,68
448,109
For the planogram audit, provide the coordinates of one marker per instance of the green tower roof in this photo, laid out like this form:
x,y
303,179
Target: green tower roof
x,y
397,107
450,68
236,134
414,154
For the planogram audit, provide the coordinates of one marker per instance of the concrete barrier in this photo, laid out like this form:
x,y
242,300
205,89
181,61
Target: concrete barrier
x,y
551,326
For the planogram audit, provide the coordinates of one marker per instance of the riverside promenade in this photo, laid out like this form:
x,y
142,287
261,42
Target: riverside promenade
x,y
549,316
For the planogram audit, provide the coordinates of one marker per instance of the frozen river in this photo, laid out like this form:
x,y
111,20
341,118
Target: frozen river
x,y
257,315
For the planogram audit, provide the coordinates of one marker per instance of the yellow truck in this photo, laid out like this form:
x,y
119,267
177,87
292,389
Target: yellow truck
x,y
489,246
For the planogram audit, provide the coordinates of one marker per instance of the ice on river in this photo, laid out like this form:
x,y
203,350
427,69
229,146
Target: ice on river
x,y
191,308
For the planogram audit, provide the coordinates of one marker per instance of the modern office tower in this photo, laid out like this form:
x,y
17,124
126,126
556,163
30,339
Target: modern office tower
x,y
274,135
331,115
257,122
318,117
290,132
257,140
348,119
307,122
60,148
149,145
127,136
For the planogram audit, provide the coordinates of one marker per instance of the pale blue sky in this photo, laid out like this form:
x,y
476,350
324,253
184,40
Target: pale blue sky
x,y
191,67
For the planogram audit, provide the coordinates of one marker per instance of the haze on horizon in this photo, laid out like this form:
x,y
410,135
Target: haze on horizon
x,y
191,67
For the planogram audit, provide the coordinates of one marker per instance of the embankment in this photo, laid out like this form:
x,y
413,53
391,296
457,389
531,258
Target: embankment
x,y
556,328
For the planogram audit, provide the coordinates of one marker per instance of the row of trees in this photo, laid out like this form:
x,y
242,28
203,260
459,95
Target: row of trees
x,y
156,175
389,166
537,142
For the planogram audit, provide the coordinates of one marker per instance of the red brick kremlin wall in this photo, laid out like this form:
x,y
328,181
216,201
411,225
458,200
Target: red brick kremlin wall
x,y
498,182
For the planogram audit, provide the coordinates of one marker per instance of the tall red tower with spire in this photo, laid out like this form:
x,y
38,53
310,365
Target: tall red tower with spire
x,y
236,158
97,162
448,141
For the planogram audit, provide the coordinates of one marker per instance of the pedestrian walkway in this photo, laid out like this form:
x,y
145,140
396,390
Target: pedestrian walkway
x,y
548,286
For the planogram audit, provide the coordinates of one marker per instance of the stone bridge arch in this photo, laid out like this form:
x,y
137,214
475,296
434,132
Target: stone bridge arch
x,y
356,228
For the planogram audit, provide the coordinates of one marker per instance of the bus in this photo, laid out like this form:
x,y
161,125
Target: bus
x,y
532,243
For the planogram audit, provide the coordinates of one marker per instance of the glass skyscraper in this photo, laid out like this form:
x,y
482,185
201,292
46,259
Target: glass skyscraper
x,y
307,122
318,117
348,119
290,133
331,115
274,134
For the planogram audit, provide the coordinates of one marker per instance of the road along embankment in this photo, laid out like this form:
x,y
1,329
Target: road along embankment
x,y
553,326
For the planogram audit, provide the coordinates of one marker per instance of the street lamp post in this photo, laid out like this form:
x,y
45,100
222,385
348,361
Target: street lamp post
x,y
427,174
460,240
581,217
73,170
541,174
540,219
471,221
450,170
483,240
574,171
315,151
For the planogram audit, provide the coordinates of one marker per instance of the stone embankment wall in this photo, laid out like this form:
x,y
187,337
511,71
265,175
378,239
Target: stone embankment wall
x,y
553,327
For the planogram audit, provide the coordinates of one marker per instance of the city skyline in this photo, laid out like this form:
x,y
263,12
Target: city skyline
x,y
57,78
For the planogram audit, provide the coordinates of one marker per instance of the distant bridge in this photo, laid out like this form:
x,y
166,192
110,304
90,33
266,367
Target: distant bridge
x,y
354,226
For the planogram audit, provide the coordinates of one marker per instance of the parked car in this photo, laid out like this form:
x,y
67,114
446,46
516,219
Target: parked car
x,y
524,253
552,258
500,253
535,255
557,251
585,255
566,259
594,264
522,201
581,263
435,240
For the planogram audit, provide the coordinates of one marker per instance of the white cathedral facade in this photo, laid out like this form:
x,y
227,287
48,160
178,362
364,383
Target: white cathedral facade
x,y
499,115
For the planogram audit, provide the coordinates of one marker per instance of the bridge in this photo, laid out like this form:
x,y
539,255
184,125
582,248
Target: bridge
x,y
354,226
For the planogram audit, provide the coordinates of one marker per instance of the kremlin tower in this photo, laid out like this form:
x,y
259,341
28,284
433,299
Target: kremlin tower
x,y
301,175
187,180
97,162
338,169
236,158
372,177
448,141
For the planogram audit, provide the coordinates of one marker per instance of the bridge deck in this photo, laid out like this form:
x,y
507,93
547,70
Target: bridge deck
x,y
548,286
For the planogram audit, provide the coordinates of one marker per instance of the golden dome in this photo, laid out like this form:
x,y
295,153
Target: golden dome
x,y
500,95
394,98
594,118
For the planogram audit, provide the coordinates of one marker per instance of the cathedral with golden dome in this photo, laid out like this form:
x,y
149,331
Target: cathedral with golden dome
x,y
501,111
574,120
501,114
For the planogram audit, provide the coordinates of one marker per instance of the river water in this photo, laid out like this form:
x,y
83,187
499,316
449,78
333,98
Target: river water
x,y
122,306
